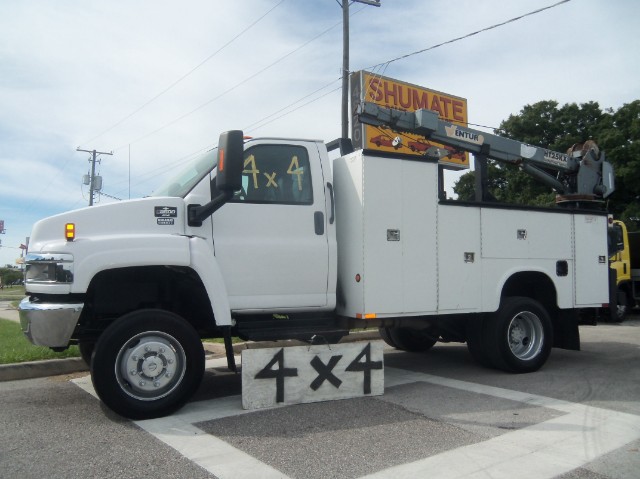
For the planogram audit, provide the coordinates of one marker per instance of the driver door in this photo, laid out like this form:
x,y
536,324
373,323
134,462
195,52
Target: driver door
x,y
270,239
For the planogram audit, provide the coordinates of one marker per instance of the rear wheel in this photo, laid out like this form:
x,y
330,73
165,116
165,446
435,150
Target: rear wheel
x,y
147,364
384,334
412,340
518,337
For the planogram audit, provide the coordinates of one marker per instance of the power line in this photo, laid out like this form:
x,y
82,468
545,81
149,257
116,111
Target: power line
x,y
237,85
433,47
110,196
254,124
121,121
384,65
163,169
168,88
378,65
298,108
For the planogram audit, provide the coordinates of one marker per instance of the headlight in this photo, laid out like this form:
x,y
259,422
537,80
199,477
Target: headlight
x,y
49,268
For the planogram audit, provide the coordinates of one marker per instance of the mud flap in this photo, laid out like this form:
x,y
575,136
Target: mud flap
x,y
228,348
566,334
611,313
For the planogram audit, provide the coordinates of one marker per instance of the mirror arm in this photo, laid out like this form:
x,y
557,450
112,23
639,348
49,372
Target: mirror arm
x,y
197,213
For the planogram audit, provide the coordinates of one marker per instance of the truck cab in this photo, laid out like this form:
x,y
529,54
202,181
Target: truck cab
x,y
254,255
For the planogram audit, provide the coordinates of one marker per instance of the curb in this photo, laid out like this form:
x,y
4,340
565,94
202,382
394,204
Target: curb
x,y
56,367
39,369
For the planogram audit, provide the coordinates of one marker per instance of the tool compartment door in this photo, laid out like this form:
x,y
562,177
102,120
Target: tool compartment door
x,y
591,265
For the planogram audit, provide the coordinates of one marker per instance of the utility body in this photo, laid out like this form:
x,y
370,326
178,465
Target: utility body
x,y
269,239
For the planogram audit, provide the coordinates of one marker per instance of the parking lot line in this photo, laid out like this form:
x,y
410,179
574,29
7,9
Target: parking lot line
x,y
543,450
209,452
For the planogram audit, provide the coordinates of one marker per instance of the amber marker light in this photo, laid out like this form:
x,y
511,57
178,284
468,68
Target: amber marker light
x,y
221,161
70,231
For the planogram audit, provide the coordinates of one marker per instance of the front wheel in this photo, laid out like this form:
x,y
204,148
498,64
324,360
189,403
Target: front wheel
x,y
86,350
147,364
519,335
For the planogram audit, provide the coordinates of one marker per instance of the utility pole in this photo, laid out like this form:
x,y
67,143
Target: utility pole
x,y
92,177
345,61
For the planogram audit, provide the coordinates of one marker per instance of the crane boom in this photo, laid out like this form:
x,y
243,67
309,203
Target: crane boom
x,y
583,171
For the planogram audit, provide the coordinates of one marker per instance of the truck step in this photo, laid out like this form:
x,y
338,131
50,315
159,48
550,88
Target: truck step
x,y
317,337
324,329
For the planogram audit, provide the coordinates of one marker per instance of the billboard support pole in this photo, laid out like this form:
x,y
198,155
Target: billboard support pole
x,y
345,62
345,69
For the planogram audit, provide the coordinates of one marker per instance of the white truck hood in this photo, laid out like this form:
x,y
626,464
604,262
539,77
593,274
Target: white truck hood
x,y
147,231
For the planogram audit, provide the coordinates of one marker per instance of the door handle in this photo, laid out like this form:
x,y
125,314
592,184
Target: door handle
x,y
333,205
318,221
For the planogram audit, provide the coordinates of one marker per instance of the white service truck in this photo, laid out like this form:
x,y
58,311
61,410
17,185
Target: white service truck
x,y
268,239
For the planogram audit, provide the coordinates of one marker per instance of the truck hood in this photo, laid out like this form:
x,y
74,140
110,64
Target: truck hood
x,y
145,216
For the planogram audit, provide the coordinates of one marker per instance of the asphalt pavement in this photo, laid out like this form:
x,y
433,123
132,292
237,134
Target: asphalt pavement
x,y
441,416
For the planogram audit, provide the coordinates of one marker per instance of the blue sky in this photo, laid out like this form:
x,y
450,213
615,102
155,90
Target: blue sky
x,y
72,70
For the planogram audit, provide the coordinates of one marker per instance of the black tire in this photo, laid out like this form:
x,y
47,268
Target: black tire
x,y
86,350
384,334
519,335
156,348
476,343
412,340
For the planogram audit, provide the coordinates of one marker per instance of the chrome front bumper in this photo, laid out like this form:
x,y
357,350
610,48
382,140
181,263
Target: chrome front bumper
x,y
49,324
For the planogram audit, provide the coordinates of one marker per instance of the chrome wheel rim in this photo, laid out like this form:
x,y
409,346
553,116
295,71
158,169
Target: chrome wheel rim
x,y
525,335
150,365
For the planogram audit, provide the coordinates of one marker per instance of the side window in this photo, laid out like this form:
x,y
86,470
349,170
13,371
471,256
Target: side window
x,y
616,239
276,174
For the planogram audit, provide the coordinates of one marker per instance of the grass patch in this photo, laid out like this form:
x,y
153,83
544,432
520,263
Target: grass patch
x,y
234,340
15,348
14,293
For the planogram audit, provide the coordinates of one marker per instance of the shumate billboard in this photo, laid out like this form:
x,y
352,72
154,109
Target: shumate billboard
x,y
399,95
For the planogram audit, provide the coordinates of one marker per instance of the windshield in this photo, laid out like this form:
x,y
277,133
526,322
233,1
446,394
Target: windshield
x,y
180,183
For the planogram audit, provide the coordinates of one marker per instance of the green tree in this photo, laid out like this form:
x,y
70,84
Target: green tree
x,y
619,137
9,275
558,128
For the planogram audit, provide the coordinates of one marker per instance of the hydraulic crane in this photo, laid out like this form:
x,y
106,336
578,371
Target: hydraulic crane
x,y
583,177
